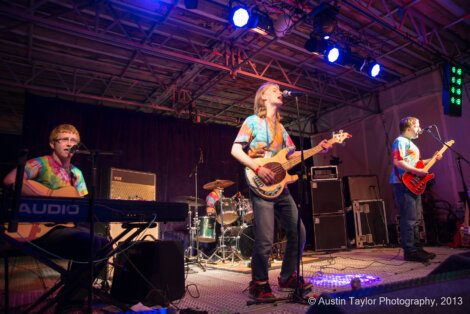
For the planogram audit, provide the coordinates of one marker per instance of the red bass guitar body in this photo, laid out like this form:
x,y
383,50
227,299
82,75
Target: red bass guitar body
x,y
414,183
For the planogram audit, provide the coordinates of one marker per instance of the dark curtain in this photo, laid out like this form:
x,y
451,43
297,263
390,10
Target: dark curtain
x,y
166,146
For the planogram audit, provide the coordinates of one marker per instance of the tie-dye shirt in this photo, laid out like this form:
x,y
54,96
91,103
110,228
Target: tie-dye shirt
x,y
47,171
255,133
212,198
403,149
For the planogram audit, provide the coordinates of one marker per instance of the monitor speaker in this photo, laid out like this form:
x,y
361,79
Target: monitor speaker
x,y
327,197
149,272
329,232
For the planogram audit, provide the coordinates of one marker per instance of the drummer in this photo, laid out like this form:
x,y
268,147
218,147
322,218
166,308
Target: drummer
x,y
211,199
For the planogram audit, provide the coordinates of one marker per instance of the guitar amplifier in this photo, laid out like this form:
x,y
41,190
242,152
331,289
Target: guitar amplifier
x,y
329,232
327,197
124,184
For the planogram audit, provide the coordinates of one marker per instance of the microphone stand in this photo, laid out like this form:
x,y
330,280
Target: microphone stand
x,y
459,158
297,294
93,158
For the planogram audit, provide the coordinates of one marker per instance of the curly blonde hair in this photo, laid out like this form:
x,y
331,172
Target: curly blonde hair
x,y
63,128
259,107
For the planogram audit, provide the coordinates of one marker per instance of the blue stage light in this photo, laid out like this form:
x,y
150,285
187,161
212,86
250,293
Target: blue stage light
x,y
374,69
332,54
239,16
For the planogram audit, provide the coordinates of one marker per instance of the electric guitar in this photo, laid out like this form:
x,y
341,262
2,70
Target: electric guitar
x,y
32,231
417,184
279,164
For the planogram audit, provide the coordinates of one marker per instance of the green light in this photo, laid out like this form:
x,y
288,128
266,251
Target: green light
x,y
452,100
452,89
453,69
453,79
459,81
458,102
459,91
459,71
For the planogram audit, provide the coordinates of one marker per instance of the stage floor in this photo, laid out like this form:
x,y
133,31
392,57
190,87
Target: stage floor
x,y
222,288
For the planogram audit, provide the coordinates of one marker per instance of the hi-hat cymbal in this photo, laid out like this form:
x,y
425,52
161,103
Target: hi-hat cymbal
x,y
190,200
221,184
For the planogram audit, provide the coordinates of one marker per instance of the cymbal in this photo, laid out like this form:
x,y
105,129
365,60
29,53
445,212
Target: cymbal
x,y
190,200
221,184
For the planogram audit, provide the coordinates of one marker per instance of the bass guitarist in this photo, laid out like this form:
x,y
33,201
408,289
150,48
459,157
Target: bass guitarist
x,y
54,175
263,135
405,156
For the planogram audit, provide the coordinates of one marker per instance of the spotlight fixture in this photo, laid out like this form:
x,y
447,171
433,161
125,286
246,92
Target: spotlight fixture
x,y
261,23
240,16
371,67
332,54
324,19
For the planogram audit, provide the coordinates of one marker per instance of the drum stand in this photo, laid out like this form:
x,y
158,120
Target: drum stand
x,y
222,253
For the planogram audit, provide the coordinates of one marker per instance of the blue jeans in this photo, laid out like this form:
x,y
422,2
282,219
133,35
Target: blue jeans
x,y
284,209
411,210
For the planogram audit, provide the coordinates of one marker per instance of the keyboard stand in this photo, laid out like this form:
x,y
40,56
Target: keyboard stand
x,y
67,276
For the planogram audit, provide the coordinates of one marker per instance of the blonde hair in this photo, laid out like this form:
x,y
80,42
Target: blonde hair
x,y
259,107
63,128
407,122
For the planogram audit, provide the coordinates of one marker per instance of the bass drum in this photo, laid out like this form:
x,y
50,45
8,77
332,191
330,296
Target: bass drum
x,y
241,239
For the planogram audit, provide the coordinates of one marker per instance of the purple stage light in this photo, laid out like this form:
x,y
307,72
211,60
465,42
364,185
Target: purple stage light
x,y
341,280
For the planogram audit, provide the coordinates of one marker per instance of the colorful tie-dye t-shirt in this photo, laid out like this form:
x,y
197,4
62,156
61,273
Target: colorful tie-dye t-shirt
x,y
212,198
47,171
255,133
403,149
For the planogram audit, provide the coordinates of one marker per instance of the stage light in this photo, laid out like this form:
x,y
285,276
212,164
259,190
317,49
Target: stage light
x,y
332,54
260,23
239,16
452,89
374,69
324,19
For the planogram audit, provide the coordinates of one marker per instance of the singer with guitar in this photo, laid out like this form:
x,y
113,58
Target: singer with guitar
x,y
263,135
54,176
406,160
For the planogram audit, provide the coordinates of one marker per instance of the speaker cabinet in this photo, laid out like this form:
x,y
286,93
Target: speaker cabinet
x,y
149,272
360,188
367,223
329,232
327,197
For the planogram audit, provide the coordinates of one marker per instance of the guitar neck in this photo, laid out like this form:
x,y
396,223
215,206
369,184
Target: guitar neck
x,y
307,154
434,158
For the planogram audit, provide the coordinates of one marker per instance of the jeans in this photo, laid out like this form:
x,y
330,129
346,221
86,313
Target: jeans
x,y
411,210
284,209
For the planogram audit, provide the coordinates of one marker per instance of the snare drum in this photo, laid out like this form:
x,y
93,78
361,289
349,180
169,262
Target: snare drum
x,y
206,232
226,211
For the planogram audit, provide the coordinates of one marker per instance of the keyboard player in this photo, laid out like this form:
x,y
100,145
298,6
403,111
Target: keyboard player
x,y
54,175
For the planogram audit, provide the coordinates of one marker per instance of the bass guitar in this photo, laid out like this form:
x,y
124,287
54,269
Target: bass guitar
x,y
417,184
32,231
279,164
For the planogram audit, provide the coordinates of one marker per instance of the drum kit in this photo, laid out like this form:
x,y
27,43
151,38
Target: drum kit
x,y
233,215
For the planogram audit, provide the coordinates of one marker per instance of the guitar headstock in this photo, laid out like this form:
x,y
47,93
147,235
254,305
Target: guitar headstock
x,y
450,143
340,136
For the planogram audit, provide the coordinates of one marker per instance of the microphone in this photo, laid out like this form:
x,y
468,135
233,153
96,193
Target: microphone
x,y
74,148
291,93
426,129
